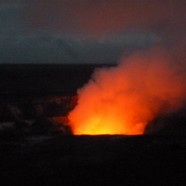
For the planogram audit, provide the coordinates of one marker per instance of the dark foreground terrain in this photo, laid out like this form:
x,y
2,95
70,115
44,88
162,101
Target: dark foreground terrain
x,y
93,160
37,147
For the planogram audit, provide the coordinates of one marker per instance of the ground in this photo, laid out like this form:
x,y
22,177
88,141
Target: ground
x,y
78,160
34,153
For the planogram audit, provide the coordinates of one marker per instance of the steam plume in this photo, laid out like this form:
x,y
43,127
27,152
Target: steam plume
x,y
125,98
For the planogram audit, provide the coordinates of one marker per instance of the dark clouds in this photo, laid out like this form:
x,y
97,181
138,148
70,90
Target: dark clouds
x,y
87,31
105,17
11,17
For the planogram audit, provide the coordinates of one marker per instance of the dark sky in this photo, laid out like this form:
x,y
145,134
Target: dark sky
x,y
88,31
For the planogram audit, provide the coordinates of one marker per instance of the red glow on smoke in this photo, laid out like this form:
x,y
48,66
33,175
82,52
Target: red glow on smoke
x,y
124,99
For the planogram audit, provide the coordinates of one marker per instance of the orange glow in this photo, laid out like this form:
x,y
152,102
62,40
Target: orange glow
x,y
124,99
103,125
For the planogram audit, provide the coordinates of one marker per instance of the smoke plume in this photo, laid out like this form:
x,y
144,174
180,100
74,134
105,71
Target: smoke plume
x,y
123,99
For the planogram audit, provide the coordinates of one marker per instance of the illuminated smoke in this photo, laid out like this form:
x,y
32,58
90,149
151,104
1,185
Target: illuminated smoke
x,y
125,98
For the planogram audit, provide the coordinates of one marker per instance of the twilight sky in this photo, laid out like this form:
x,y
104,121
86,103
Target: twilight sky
x,y
88,31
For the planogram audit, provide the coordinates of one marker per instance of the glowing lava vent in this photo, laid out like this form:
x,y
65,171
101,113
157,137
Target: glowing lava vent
x,y
125,98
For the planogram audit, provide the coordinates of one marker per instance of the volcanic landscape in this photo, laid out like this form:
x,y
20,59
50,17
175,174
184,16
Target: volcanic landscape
x,y
38,144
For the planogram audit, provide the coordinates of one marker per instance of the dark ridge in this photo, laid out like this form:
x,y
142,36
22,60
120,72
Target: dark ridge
x,y
172,124
39,80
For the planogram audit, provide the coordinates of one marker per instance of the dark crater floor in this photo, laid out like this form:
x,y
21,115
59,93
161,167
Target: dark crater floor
x,y
77,160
